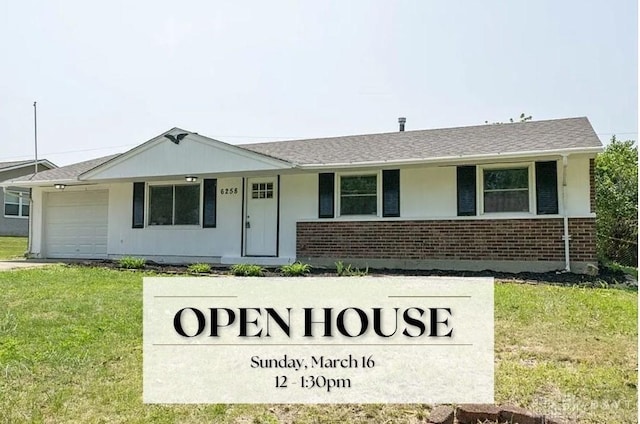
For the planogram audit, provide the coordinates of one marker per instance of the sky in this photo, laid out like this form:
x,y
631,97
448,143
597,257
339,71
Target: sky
x,y
108,76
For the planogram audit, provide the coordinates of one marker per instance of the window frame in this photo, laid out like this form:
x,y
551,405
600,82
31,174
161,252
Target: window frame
x,y
24,199
264,190
531,188
173,197
338,193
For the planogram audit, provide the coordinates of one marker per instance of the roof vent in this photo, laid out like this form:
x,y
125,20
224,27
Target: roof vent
x,y
402,121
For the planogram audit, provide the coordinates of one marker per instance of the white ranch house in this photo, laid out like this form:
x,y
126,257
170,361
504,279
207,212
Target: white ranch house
x,y
512,197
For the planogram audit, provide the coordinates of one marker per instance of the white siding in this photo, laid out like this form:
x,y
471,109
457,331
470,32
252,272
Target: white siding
x,y
428,192
37,221
578,186
298,201
224,240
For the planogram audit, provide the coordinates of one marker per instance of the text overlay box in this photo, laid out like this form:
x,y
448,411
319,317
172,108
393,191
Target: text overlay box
x,y
318,340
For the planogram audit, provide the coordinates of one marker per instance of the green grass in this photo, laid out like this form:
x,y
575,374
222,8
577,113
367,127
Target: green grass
x,y
567,350
71,351
12,247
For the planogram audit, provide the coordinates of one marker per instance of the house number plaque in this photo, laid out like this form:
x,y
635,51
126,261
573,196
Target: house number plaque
x,y
230,190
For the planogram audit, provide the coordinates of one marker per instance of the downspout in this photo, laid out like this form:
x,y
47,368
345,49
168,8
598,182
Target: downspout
x,y
566,237
28,255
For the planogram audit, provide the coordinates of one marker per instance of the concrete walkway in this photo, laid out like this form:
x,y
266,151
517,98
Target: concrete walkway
x,y
7,265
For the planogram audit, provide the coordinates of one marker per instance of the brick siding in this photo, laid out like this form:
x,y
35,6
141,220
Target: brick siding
x,y
592,184
582,246
507,239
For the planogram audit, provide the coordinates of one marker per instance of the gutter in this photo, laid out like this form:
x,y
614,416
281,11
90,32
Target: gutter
x,y
36,183
29,245
456,158
566,236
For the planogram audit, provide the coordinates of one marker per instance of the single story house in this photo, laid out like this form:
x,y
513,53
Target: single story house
x,y
511,197
15,200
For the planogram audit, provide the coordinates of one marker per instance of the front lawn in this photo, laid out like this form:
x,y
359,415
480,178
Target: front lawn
x,y
71,351
12,247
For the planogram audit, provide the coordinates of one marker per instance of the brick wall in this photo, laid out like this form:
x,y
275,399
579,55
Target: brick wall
x,y
592,184
508,239
582,246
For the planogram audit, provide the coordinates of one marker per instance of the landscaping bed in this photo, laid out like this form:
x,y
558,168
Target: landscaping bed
x,y
606,276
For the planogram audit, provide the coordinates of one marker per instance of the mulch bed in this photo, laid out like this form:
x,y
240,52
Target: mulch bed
x,y
606,277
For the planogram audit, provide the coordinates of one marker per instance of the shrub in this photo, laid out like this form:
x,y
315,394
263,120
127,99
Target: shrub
x,y
295,269
348,271
247,270
199,268
131,262
616,174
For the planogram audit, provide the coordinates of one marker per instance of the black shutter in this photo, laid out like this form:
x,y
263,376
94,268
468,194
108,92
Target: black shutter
x,y
391,193
209,197
547,188
325,195
466,180
138,205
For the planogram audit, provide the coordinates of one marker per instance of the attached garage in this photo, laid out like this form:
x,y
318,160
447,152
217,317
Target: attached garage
x,y
76,224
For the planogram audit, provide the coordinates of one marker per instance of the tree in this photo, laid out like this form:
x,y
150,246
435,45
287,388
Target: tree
x,y
616,174
523,118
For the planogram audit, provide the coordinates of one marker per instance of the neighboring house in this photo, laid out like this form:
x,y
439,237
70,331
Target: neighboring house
x,y
14,220
513,197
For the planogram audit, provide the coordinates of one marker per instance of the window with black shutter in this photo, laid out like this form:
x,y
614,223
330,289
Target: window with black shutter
x,y
326,183
466,184
138,205
391,193
209,193
505,189
547,188
359,194
177,204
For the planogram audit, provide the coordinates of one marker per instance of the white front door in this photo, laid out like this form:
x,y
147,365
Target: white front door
x,y
261,217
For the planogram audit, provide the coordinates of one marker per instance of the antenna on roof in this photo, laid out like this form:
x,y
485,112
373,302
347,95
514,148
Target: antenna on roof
x,y
35,134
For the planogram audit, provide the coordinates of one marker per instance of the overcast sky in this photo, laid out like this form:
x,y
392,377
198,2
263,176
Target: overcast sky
x,y
110,75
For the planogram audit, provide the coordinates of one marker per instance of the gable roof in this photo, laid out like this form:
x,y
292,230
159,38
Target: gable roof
x,y
6,166
191,153
558,136
532,136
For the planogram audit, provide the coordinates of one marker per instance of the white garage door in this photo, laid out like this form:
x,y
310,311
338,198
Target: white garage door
x,y
76,224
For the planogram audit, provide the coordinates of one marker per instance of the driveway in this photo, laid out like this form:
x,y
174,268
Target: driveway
x,y
7,265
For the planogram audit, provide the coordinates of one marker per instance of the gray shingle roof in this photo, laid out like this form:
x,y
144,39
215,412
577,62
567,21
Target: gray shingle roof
x,y
4,165
21,163
65,173
531,136
425,144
